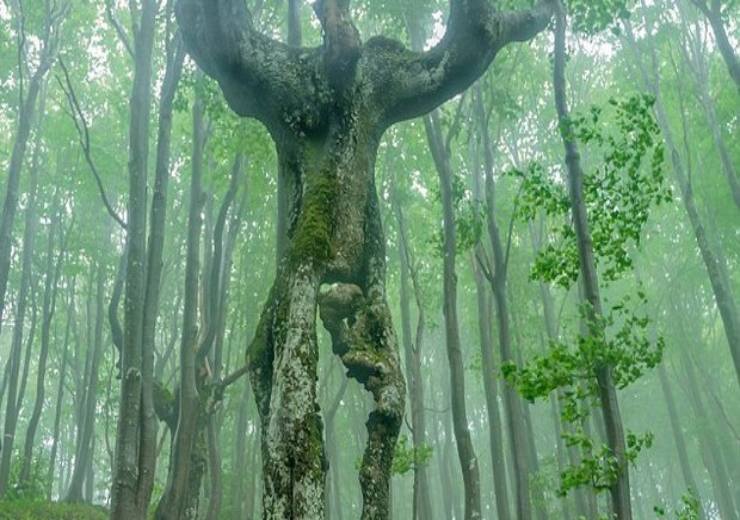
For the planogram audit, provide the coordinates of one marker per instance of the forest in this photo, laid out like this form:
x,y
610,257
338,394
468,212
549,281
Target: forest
x,y
370,259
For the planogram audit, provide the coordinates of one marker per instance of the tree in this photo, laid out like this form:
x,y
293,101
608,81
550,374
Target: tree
x,y
325,109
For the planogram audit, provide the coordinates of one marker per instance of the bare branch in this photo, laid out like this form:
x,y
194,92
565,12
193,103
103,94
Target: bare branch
x,y
120,31
83,132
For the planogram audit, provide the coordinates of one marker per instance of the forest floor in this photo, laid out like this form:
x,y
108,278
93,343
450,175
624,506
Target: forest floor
x,y
28,510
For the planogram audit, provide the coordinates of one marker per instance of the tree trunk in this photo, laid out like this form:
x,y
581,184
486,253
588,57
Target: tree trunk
x,y
711,255
465,449
26,112
498,280
16,348
714,460
177,500
48,308
60,394
713,12
620,489
422,507
326,109
136,433
678,437
87,433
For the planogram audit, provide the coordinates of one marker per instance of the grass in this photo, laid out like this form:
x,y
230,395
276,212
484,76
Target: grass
x,y
31,510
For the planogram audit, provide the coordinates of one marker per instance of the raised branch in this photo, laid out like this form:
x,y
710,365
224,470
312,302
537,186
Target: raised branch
x,y
414,83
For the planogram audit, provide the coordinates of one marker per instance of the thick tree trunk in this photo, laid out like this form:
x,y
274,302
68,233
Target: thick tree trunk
x,y
335,238
326,109
620,488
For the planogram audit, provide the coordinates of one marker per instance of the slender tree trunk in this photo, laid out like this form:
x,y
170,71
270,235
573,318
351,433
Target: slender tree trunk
x,y
712,9
48,308
678,436
11,408
174,503
498,280
60,394
26,116
87,433
465,449
620,488
422,508
711,254
715,461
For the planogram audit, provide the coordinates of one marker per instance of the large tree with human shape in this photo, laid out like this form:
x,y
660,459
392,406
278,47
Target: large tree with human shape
x,y
326,109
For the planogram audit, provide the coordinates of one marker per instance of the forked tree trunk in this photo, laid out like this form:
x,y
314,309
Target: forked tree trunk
x,y
326,109
335,239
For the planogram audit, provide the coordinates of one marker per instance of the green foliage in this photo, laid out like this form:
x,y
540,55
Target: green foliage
x,y
34,510
406,457
593,16
619,192
690,508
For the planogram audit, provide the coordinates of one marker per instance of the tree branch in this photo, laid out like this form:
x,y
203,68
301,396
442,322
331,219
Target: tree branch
x,y
260,77
120,31
83,132
410,84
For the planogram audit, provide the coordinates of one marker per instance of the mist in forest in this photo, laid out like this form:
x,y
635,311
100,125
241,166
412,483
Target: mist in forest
x,y
370,259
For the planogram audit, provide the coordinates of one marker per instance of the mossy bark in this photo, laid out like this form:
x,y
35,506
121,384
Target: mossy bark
x,y
335,240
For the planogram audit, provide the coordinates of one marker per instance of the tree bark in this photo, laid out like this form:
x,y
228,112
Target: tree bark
x,y
136,433
620,488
